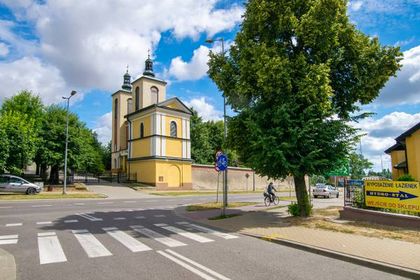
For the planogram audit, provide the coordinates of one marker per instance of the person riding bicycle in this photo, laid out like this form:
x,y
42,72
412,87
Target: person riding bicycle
x,y
270,189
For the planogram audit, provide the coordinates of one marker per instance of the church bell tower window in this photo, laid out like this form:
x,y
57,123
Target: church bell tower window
x,y
173,129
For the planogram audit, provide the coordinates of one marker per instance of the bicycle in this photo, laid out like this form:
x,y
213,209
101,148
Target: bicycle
x,y
268,200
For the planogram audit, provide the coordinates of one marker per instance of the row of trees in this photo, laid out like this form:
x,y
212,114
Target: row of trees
x,y
31,132
207,139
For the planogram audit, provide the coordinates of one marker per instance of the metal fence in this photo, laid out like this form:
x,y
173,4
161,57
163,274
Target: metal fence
x,y
354,193
89,178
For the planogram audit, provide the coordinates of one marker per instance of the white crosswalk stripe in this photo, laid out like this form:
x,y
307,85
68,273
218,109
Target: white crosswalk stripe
x,y
8,239
170,242
128,241
49,247
184,233
90,244
89,217
209,230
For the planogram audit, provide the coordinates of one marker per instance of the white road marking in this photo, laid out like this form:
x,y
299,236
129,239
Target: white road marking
x,y
89,217
70,221
140,217
79,203
128,241
5,207
92,246
186,266
170,242
44,223
159,216
209,230
106,202
8,239
14,225
186,234
50,250
120,218
206,269
130,201
43,205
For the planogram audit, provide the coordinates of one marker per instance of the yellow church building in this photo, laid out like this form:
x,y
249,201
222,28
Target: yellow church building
x,y
151,134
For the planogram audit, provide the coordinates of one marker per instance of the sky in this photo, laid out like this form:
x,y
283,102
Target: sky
x,y
54,47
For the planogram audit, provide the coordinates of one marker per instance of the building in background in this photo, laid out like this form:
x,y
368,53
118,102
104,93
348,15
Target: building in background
x,y
405,154
151,134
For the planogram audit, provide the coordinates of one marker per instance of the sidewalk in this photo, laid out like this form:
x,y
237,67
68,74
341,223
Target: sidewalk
x,y
116,191
270,225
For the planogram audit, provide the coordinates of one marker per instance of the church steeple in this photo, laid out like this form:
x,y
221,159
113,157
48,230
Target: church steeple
x,y
148,69
127,81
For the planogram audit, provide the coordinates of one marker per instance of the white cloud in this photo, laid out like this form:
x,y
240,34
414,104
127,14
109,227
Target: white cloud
x,y
355,5
405,88
90,42
193,70
204,109
103,128
31,74
4,50
381,134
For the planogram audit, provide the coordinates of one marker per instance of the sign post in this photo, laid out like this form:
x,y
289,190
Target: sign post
x,y
222,165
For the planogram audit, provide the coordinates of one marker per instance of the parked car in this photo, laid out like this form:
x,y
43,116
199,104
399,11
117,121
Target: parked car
x,y
11,183
325,191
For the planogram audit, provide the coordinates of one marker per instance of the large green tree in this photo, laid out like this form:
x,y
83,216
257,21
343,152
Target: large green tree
x,y
358,164
23,114
295,75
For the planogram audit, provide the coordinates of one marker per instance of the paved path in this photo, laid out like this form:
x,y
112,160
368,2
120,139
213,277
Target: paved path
x,y
118,191
270,224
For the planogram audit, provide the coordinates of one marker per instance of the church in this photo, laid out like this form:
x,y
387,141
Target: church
x,y
151,134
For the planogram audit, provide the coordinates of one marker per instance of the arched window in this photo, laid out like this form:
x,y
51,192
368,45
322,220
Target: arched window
x,y
154,91
137,98
116,109
141,130
173,129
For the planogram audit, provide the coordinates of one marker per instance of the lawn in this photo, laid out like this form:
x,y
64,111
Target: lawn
x,y
49,195
214,205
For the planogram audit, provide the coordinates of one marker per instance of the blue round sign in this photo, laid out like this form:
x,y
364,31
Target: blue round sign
x,y
222,162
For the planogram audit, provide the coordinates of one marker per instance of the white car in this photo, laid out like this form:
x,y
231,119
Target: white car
x,y
11,183
325,191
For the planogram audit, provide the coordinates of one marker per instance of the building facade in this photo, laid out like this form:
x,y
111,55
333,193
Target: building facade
x,y
405,154
151,134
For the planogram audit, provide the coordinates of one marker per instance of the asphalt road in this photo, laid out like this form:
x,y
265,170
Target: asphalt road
x,y
144,239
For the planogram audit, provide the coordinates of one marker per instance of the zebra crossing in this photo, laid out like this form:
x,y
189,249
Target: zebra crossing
x,y
50,249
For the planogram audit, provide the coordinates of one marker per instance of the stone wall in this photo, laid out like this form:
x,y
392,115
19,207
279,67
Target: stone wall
x,y
205,177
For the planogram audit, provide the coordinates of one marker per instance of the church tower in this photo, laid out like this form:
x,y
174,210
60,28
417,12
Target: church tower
x,y
158,145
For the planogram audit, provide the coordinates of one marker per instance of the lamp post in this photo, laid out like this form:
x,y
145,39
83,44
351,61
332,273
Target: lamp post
x,y
73,92
225,175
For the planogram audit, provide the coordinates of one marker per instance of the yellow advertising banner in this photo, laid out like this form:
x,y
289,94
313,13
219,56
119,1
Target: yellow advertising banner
x,y
396,195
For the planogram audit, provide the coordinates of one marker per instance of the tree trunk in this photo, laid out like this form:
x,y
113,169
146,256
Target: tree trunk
x,y
302,196
54,179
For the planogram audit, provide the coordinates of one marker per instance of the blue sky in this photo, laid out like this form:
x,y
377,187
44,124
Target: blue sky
x,y
53,47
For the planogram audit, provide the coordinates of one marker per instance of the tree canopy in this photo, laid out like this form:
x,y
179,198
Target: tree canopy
x,y
294,75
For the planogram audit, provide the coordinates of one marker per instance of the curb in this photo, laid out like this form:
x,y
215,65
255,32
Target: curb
x,y
370,263
7,266
385,267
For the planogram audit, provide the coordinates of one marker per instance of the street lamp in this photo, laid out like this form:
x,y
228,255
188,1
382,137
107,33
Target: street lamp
x,y
73,92
225,186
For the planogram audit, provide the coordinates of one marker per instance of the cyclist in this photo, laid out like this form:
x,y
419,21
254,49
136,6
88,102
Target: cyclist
x,y
270,189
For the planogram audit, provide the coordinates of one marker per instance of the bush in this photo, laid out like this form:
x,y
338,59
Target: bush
x,y
406,177
359,198
293,209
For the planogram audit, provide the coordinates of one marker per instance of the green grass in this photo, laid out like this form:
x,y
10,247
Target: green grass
x,y
49,196
214,205
191,193
220,217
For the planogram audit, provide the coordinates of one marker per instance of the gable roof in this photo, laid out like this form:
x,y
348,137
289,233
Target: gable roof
x,y
181,106
396,147
407,133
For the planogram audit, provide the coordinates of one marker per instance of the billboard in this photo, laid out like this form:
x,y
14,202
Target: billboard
x,y
398,195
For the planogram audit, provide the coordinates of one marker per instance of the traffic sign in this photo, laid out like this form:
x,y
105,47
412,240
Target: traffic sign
x,y
222,162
